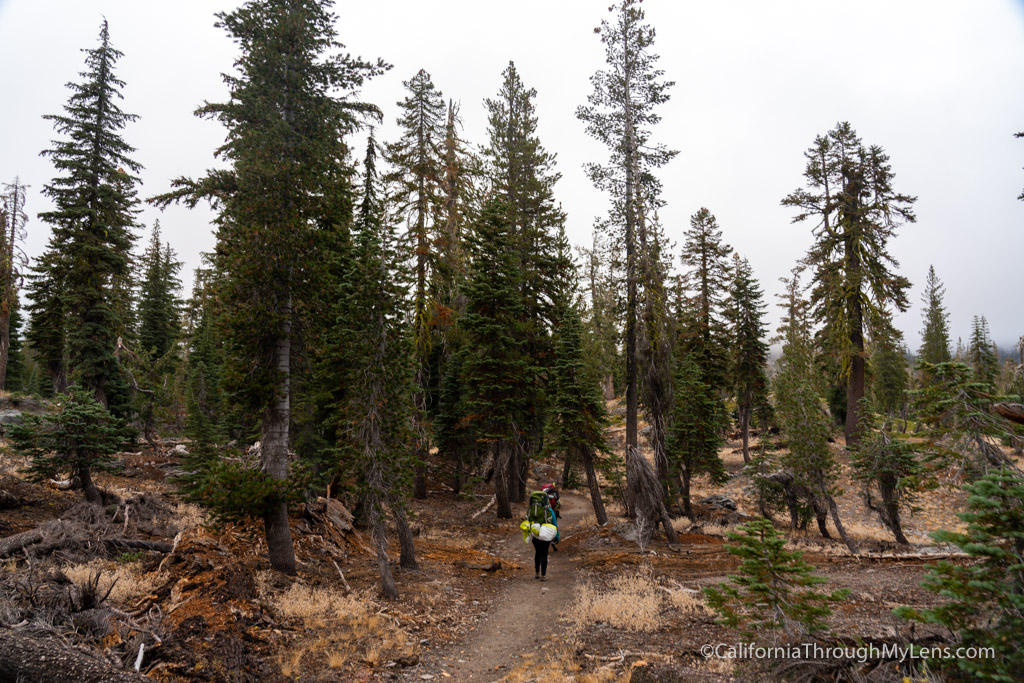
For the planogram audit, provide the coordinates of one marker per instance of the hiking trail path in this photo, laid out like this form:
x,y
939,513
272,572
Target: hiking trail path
x,y
525,616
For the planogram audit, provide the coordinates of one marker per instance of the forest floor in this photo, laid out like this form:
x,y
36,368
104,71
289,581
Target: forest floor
x,y
202,604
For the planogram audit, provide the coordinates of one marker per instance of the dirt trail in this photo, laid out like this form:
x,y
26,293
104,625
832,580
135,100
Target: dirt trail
x,y
525,616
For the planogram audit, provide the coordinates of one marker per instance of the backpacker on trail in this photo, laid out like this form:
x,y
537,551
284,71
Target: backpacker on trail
x,y
540,521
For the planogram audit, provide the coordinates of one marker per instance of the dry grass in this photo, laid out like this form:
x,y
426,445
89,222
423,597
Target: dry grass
x,y
127,581
320,604
632,603
189,516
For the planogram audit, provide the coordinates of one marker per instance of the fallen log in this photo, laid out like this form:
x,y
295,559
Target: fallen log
x,y
44,660
14,543
1014,412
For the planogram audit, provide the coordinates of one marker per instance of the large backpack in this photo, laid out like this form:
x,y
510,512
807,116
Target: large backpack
x,y
539,510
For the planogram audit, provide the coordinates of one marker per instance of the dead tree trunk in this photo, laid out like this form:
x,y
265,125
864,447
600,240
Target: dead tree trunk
x,y
647,498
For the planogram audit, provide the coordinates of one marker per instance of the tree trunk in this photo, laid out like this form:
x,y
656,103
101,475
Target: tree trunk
x,y
609,387
41,659
567,469
834,509
890,512
274,450
687,507
92,494
501,458
593,485
380,538
744,414
407,560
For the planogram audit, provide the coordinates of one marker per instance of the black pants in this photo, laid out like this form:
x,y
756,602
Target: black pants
x,y
540,556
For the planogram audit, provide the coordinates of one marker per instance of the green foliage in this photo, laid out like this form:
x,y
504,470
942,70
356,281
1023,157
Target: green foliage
x,y
981,353
748,350
158,311
775,588
983,600
696,428
80,438
954,409
889,468
889,385
128,558
80,303
850,197
935,335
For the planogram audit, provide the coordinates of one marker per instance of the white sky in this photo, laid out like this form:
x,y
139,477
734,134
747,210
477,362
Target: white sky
x,y
936,83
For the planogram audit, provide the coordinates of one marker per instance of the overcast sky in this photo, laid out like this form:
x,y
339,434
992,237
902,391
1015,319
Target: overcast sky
x,y
936,83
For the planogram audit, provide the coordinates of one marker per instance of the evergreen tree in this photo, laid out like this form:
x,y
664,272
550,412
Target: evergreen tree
x,y
372,347
522,172
603,340
16,379
419,163
46,308
799,407
748,351
775,588
890,470
496,367
983,600
981,353
935,335
578,415
158,312
696,429
92,220
79,438
279,202
850,195
964,433
888,368
12,230
620,112
707,281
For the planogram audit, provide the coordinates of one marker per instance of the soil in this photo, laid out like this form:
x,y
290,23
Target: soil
x,y
210,609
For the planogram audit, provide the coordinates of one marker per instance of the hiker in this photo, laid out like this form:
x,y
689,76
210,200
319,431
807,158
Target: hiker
x,y
541,527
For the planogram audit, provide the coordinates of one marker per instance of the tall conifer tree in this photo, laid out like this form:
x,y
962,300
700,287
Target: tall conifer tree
x,y
278,200
935,335
849,194
94,214
12,230
620,112
748,350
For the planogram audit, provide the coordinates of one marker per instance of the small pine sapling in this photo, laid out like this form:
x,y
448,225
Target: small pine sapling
x,y
775,588
983,600
79,438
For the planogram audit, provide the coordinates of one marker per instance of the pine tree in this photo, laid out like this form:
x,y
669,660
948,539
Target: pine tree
x,y
158,312
620,112
16,380
46,308
418,160
889,468
798,406
982,600
12,230
522,172
80,437
850,195
373,348
496,367
889,370
278,202
578,415
707,280
748,357
981,353
93,221
935,335
696,429
775,588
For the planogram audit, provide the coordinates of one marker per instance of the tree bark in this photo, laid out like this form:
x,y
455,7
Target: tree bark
x,y
274,451
407,559
380,538
92,494
593,485
45,660
504,508
744,415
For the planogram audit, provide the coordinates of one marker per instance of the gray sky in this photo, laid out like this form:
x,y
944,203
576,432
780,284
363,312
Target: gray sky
x,y
936,83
